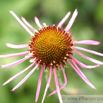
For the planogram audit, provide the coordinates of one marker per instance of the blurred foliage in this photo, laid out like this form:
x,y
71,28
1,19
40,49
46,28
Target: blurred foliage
x,y
88,25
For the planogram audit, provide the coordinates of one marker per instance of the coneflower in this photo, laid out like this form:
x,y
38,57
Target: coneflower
x,y
51,47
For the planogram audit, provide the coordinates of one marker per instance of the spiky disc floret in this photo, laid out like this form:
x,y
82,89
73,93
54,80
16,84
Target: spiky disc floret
x,y
51,46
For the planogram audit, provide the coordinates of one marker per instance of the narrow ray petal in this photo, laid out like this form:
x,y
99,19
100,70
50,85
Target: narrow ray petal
x,y
14,63
85,66
39,84
47,85
25,78
87,50
14,54
18,74
69,25
65,81
16,46
21,23
89,42
38,23
57,86
64,19
24,20
86,80
81,74
88,58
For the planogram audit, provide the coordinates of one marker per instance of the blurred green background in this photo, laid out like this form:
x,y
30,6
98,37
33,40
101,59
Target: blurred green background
x,y
88,25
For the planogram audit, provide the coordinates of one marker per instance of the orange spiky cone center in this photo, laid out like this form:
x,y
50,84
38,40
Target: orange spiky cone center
x,y
51,46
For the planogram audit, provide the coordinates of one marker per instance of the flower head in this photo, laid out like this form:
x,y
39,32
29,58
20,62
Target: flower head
x,y
51,47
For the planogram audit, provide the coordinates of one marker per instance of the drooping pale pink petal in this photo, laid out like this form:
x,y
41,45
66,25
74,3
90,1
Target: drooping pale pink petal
x,y
87,50
24,20
88,82
16,46
39,84
88,58
14,54
69,25
47,85
83,65
14,63
57,86
25,78
64,19
37,22
81,74
18,74
24,26
65,81
44,24
89,42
